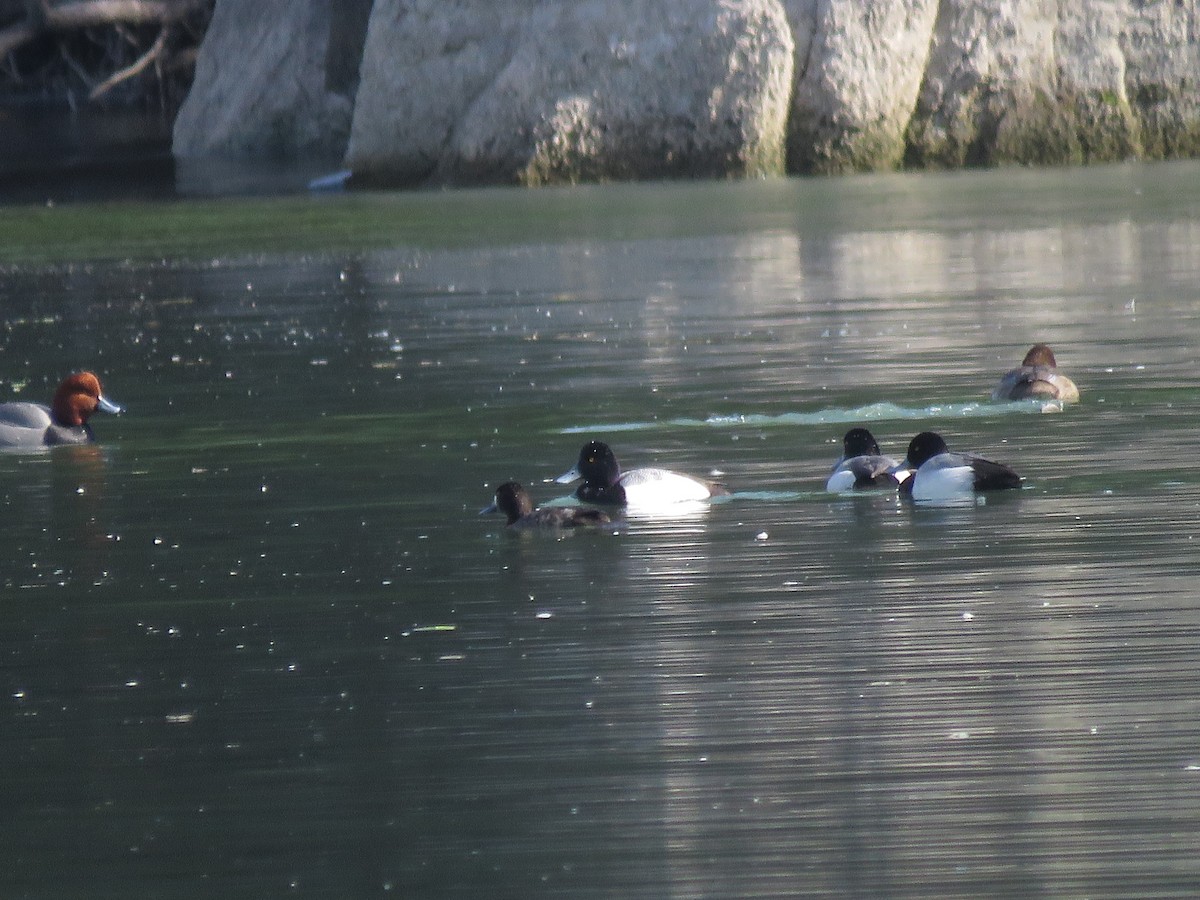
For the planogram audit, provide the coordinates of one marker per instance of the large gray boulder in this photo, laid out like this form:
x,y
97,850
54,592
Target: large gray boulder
x,y
995,87
1058,81
858,70
535,91
274,79
984,82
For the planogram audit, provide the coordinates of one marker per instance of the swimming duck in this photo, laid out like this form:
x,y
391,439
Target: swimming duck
x,y
939,474
513,500
1037,376
862,465
603,481
65,421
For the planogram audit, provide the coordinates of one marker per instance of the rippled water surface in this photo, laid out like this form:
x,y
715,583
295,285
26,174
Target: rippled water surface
x,y
258,642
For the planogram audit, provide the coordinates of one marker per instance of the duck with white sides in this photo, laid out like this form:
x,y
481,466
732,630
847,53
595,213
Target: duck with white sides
x,y
863,466
941,475
648,488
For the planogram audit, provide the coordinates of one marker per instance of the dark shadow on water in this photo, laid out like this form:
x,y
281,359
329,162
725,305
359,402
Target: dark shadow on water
x,y
246,178
60,156
90,156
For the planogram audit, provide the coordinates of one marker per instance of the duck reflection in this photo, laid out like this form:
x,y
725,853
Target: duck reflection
x,y
78,500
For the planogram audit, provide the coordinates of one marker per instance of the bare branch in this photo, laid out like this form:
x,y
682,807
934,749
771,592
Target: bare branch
x,y
87,13
90,13
128,72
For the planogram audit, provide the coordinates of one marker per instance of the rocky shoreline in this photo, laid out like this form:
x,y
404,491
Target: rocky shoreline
x,y
417,92
531,92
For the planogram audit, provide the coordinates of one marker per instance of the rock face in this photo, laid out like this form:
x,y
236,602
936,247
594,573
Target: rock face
x,y
274,79
982,82
536,91
1034,81
533,92
1025,81
858,70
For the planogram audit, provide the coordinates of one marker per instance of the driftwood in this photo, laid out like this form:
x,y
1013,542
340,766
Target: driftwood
x,y
128,49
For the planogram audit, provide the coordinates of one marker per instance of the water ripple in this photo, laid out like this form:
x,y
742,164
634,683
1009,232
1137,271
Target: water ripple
x,y
872,412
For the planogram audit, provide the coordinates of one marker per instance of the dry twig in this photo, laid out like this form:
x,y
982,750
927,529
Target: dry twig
x,y
93,13
150,56
99,45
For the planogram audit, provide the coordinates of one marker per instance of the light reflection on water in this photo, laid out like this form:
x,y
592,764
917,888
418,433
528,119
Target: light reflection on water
x,y
259,640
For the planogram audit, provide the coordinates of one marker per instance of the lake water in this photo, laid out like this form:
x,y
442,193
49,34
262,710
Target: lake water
x,y
258,642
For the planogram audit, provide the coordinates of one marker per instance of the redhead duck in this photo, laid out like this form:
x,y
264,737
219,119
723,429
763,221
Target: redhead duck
x,y
65,421
862,465
939,474
513,500
604,482
1037,376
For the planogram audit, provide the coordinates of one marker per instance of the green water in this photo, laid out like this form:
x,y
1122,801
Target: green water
x,y
202,229
258,642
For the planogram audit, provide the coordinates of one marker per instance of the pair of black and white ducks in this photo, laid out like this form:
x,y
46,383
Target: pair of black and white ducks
x,y
930,470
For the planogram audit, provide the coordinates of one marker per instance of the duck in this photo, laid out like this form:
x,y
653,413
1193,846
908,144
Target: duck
x,y
862,465
604,482
513,500
1037,376
65,421
939,474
